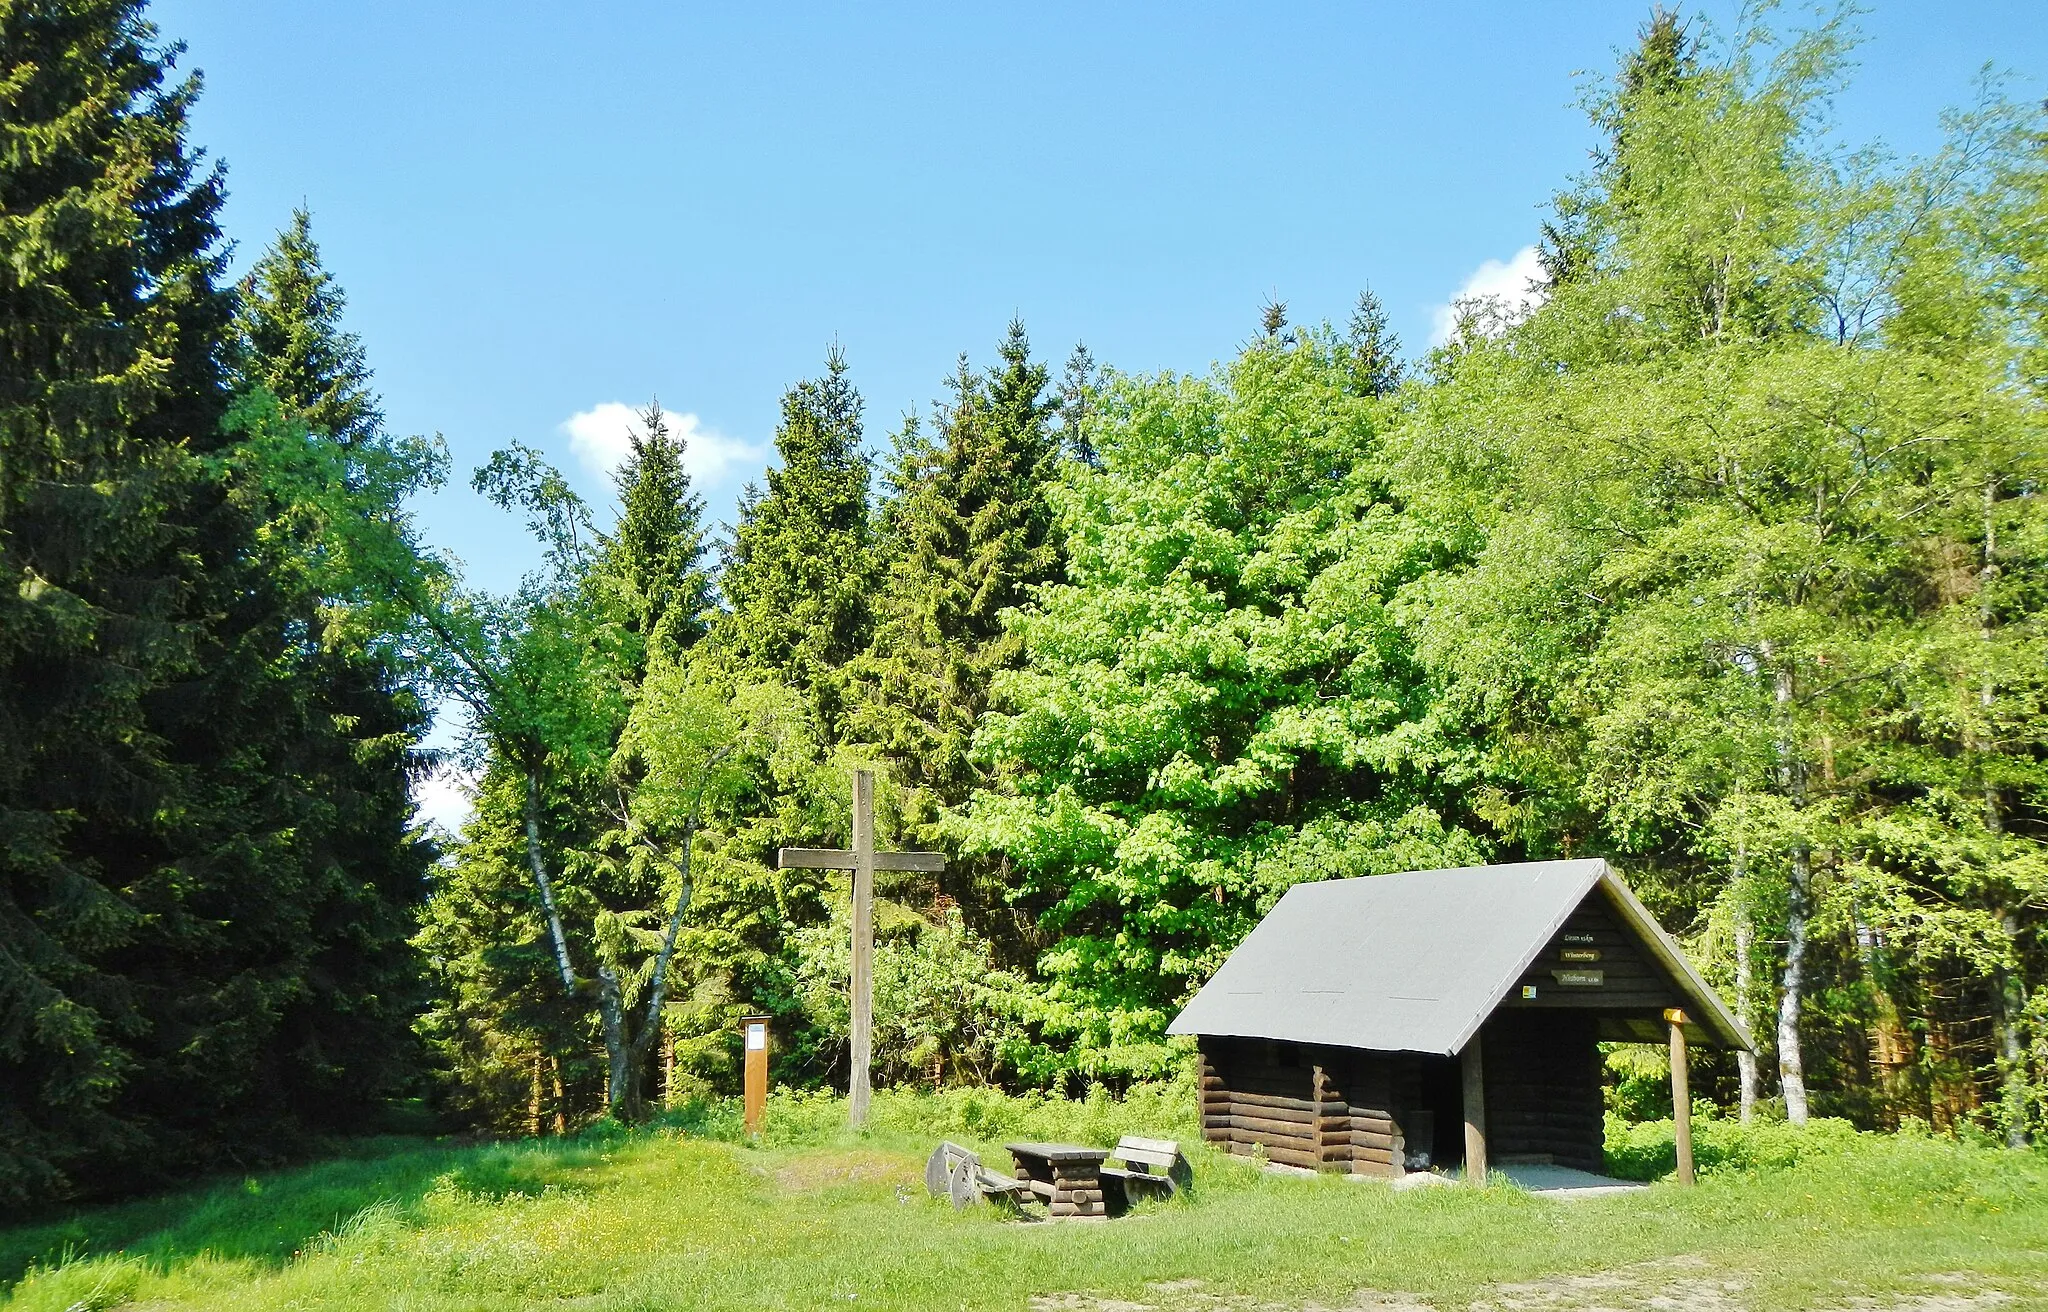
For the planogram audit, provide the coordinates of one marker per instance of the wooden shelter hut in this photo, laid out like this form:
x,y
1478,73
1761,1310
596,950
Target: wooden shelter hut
x,y
1398,1022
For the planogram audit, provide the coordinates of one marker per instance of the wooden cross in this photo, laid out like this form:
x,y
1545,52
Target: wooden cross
x,y
863,861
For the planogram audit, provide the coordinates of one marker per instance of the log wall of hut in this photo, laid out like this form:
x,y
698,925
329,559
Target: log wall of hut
x,y
1370,1113
1308,1106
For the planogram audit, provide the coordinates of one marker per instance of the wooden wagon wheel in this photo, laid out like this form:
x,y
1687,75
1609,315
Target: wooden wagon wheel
x,y
966,1183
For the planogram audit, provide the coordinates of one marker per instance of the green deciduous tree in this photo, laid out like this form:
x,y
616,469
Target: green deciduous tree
x,y
1221,700
1739,483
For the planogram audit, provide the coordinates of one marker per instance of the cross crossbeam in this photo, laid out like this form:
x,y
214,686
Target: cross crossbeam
x,y
863,861
832,858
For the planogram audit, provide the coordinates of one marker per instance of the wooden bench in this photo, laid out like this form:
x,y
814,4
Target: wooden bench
x,y
1152,1168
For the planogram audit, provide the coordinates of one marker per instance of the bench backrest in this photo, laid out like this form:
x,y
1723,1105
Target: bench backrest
x,y
1133,1150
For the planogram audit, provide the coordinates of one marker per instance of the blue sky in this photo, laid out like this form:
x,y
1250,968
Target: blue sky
x,y
541,211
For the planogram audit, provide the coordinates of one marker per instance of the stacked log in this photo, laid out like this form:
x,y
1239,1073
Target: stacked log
x,y
1252,1112
1079,1194
1215,1097
1377,1147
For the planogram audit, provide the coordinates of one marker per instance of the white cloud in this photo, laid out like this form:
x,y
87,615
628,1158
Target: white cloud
x,y
1506,284
600,438
446,797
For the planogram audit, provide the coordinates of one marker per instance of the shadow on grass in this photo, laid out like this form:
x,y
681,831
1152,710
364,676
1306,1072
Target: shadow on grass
x,y
271,1217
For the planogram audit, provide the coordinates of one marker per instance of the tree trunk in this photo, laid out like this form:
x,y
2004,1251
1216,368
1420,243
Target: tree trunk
x,y
1791,1064
668,1070
1798,909
622,1090
629,1055
622,1082
534,1124
2007,990
534,858
2012,1057
1745,982
1890,1042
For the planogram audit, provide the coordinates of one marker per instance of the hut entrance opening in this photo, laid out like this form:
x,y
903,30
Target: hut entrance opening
x,y
1441,1129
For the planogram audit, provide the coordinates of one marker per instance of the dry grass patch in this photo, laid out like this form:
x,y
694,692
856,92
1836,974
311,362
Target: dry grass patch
x,y
821,1169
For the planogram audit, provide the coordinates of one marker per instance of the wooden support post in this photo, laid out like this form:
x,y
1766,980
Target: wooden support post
x,y
857,1087
1681,1095
1472,1065
756,1030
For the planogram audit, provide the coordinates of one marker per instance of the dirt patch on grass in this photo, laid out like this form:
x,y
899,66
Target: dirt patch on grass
x,y
1672,1284
1691,1284
1980,1301
818,1171
1675,1284
1194,1296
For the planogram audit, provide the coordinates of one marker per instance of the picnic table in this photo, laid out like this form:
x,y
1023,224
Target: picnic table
x,y
1068,1176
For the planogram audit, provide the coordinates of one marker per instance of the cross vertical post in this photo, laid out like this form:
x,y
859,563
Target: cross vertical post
x,y
863,861
863,1038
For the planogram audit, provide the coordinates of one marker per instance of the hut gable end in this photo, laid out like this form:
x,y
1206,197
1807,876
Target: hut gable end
x,y
1593,963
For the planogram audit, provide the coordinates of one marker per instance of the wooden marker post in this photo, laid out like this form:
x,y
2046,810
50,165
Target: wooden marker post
x,y
1681,1095
863,861
755,1028
1472,1066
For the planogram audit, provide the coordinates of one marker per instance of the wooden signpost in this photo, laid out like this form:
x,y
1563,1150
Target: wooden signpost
x,y
863,861
755,1028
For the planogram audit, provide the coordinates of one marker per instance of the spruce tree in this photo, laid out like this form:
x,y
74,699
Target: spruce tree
x,y
972,534
798,570
1372,351
1078,382
288,330
107,312
1664,68
360,717
194,940
656,552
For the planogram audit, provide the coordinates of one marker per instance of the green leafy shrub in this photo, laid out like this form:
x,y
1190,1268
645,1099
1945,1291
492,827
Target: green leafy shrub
x,y
1638,1081
1648,1150
945,1013
804,1118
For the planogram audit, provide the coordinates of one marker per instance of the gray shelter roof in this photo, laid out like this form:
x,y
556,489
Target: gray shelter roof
x,y
1416,962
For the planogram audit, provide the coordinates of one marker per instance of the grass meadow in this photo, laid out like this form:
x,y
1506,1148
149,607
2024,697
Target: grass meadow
x,y
685,1215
